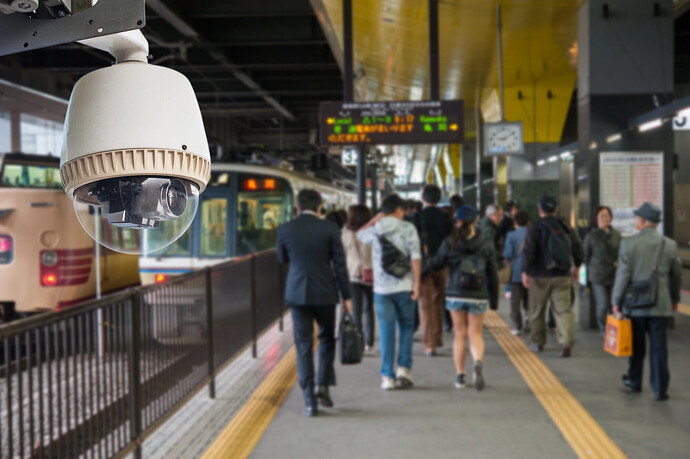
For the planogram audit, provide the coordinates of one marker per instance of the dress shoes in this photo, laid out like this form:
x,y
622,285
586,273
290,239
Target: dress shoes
x,y
660,397
324,397
566,352
630,385
311,408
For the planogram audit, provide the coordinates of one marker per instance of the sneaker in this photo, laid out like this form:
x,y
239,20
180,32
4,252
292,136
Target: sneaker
x,y
387,383
536,347
525,327
514,331
566,352
460,381
403,378
368,349
478,375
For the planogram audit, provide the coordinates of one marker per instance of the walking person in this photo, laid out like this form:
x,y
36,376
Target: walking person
x,y
397,265
360,270
512,252
488,227
433,226
507,222
601,248
551,250
318,271
472,286
648,255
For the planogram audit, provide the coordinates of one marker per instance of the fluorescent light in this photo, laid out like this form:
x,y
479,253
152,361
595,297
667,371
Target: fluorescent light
x,y
541,162
552,159
566,155
592,145
650,125
684,113
614,138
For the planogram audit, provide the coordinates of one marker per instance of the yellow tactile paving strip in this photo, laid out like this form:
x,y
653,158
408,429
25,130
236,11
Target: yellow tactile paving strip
x,y
684,308
579,428
245,430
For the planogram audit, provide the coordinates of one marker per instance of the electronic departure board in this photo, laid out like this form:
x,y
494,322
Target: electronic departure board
x,y
392,123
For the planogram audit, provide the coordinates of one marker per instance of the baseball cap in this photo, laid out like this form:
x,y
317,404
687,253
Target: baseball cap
x,y
548,204
466,212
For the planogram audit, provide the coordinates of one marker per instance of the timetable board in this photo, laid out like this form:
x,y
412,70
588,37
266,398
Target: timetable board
x,y
391,123
627,180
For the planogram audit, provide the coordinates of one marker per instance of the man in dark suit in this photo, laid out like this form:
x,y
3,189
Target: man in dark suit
x,y
318,270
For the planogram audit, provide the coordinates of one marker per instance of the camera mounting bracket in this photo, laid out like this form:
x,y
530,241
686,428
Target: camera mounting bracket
x,y
22,32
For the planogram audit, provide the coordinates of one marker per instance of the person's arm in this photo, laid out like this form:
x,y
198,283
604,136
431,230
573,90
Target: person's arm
x,y
509,250
440,260
623,274
529,253
413,246
372,222
674,277
340,266
492,275
281,248
576,244
587,248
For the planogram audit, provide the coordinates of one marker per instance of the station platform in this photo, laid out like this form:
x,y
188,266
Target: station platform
x,y
533,406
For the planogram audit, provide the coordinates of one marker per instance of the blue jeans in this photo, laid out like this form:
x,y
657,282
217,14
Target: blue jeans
x,y
392,308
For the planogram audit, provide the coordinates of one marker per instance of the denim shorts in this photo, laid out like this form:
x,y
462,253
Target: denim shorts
x,y
456,304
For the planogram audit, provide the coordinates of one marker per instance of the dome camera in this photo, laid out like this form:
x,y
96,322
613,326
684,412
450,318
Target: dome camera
x,y
134,149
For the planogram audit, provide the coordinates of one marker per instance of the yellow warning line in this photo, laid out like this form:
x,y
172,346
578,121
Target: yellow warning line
x,y
684,308
243,433
579,428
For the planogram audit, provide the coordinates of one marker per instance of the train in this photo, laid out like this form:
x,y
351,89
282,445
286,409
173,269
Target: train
x,y
47,260
238,214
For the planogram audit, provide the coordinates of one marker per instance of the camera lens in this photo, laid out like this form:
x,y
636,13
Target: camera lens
x,y
176,197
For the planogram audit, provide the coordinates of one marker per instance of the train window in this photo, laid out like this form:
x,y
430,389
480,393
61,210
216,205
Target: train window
x,y
213,226
181,247
30,176
260,210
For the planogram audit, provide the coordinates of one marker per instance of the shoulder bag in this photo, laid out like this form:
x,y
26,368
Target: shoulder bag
x,y
505,274
643,294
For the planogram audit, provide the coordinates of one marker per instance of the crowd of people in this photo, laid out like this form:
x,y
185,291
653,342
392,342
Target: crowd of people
x,y
418,265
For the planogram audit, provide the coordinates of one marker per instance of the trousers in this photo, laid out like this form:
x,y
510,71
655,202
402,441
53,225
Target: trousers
x,y
395,309
602,297
558,290
518,294
432,297
363,310
659,375
303,318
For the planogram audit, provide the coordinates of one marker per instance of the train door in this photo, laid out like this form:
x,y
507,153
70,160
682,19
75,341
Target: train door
x,y
212,225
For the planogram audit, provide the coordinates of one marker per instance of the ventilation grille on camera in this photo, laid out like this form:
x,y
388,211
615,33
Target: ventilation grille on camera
x,y
122,163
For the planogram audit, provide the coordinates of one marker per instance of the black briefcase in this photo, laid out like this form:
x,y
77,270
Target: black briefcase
x,y
351,340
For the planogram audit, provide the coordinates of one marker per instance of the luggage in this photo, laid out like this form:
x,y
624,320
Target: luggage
x,y
351,340
618,339
558,247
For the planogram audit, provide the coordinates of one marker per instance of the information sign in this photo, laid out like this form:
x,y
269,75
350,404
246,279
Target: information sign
x,y
391,123
349,157
626,181
681,123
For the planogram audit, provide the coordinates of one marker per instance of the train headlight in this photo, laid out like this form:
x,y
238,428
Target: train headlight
x,y
49,258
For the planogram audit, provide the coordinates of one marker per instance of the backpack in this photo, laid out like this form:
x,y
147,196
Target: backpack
x,y
471,274
393,260
558,247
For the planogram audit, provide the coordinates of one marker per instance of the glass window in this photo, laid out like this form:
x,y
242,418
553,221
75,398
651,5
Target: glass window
x,y
213,226
30,176
40,136
5,133
181,247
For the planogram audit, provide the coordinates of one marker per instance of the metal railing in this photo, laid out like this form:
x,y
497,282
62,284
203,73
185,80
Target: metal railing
x,y
96,379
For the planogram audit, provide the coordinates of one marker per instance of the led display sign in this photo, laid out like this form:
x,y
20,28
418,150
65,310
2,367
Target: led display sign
x,y
391,123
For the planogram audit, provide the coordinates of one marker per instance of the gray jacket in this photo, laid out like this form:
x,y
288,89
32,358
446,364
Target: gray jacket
x,y
636,262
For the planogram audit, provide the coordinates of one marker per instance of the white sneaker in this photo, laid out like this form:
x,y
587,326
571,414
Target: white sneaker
x,y
403,378
387,383
515,331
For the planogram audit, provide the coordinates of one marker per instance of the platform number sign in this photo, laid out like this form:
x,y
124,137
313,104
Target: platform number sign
x,y
681,123
349,157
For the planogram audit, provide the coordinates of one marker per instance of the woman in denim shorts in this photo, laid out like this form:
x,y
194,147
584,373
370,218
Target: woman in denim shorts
x,y
472,285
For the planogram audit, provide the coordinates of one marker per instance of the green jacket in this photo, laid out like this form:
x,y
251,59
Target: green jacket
x,y
636,262
487,232
601,253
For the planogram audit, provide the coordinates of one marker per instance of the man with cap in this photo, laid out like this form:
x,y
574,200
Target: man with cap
x,y
640,257
551,250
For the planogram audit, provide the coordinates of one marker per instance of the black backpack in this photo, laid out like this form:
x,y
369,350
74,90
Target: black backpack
x,y
557,246
393,260
472,272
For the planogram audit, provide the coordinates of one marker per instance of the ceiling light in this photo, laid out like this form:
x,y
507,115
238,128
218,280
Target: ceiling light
x,y
566,155
552,159
684,113
541,162
614,138
650,125
592,145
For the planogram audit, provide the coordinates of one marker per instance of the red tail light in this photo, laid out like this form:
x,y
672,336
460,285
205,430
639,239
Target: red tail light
x,y
5,244
49,279
160,278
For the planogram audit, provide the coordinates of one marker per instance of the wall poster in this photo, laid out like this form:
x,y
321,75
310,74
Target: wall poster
x,y
626,181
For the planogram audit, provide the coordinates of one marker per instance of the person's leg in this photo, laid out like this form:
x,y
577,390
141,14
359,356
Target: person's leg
x,y
515,300
368,295
602,299
459,339
563,310
659,376
538,297
405,307
439,301
447,321
303,331
325,317
426,312
636,361
474,331
385,313
357,297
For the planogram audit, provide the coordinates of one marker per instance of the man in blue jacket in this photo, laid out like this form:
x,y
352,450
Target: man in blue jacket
x,y
512,252
318,271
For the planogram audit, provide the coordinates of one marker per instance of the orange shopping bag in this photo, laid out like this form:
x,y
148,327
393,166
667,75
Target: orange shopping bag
x,y
618,339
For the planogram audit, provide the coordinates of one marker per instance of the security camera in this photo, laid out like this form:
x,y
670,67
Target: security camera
x,y
134,146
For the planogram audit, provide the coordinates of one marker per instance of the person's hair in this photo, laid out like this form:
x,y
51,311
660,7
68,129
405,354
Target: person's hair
x,y
409,204
334,216
308,199
598,211
343,216
431,193
418,206
490,210
522,218
510,205
456,201
391,203
359,216
459,235
447,209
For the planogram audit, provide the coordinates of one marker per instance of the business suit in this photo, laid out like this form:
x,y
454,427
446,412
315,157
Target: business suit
x,y
318,271
636,262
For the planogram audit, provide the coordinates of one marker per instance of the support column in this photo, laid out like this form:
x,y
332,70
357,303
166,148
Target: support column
x,y
15,132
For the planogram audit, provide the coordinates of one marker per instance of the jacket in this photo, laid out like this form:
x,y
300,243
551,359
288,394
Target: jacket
x,y
318,270
436,223
601,254
636,262
534,261
451,257
489,232
404,236
504,228
357,254
513,251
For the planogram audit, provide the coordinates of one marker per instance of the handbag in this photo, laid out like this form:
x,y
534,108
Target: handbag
x,y
367,273
351,340
618,337
642,294
505,274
